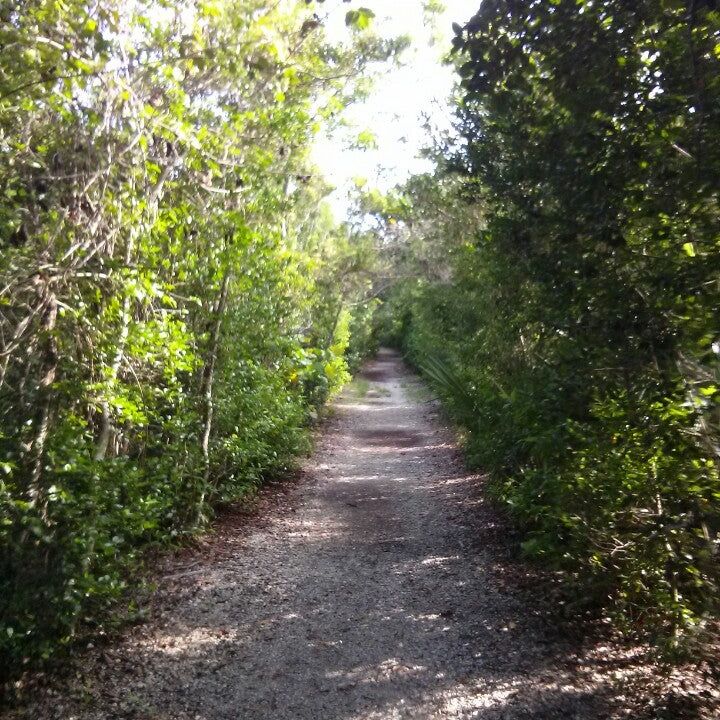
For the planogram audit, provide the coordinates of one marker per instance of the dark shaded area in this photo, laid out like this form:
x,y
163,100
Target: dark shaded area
x,y
389,438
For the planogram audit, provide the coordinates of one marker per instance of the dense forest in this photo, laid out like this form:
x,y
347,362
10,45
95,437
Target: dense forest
x,y
178,303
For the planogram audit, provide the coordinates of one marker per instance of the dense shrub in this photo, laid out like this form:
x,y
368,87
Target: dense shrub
x,y
570,318
168,322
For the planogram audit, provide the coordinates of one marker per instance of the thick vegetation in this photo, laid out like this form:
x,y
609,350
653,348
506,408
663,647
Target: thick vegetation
x,y
171,316
176,303
564,294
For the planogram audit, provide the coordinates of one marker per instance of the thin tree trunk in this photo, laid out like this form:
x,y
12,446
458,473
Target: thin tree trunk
x,y
208,379
106,428
47,378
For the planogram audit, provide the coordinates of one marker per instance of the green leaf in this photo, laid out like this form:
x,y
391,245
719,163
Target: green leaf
x,y
366,139
359,19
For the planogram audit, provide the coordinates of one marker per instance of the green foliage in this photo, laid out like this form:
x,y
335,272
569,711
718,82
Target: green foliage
x,y
364,339
170,317
562,293
360,18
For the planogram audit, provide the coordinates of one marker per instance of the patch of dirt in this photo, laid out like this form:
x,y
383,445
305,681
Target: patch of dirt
x,y
375,373
377,586
391,438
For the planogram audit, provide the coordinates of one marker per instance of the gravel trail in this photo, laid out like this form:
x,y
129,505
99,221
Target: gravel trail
x,y
369,597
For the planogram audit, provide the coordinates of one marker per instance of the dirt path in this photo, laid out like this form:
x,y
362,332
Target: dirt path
x,y
371,596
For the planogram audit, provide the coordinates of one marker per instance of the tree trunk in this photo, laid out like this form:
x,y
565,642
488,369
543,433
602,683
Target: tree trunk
x,y
106,428
208,379
48,372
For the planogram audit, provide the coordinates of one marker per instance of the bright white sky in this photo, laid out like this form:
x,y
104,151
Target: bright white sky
x,y
394,111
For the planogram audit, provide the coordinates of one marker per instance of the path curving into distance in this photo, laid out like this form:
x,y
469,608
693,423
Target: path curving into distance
x,y
374,591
